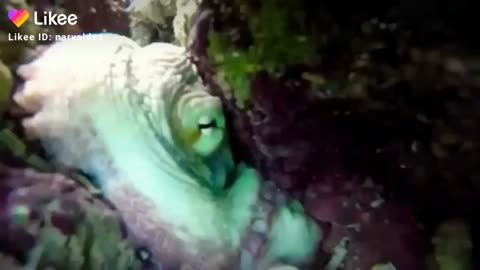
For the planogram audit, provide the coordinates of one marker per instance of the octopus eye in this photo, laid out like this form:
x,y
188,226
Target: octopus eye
x,y
209,135
206,123
211,124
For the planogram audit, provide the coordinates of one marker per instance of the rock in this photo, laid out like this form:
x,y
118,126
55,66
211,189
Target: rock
x,y
161,20
50,220
99,16
339,95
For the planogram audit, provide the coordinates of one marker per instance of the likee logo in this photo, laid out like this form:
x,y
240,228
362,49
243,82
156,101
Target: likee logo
x,y
45,18
18,17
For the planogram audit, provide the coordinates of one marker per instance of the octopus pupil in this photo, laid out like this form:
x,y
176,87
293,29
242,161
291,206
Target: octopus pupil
x,y
143,254
211,124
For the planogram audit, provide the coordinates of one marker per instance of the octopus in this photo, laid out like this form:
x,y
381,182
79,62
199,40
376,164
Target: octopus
x,y
142,124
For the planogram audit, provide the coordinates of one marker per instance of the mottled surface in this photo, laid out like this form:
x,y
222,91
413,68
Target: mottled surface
x,y
161,20
48,220
378,231
151,20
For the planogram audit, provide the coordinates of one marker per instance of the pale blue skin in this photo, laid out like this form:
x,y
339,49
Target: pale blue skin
x,y
158,133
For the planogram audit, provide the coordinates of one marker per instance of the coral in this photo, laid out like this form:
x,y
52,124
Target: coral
x,y
453,245
150,20
278,40
357,211
371,77
390,93
235,66
50,221
384,266
383,97
182,22
156,20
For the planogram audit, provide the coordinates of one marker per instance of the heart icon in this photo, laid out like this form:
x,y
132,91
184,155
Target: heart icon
x,y
18,17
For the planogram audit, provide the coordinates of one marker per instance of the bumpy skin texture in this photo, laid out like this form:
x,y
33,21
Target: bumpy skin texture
x,y
142,124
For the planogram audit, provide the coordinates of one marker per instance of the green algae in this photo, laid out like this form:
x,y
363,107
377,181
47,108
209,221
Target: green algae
x,y
6,83
16,147
235,65
280,39
453,245
280,35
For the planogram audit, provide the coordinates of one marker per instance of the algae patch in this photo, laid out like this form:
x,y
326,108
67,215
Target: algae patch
x,y
6,83
280,38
